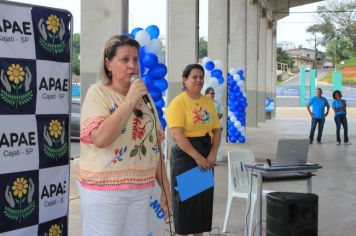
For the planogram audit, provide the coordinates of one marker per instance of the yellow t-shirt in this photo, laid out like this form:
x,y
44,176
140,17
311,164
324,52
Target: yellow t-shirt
x,y
197,117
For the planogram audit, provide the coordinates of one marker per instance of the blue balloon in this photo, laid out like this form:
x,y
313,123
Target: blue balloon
x,y
210,65
242,139
221,80
238,134
148,81
163,122
236,89
239,94
232,97
156,94
236,113
241,108
232,139
159,71
149,60
231,130
135,30
242,78
159,112
160,103
130,35
240,72
216,73
242,99
229,77
231,83
153,31
161,84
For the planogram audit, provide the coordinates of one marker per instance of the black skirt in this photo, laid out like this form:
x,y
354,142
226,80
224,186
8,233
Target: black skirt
x,y
195,214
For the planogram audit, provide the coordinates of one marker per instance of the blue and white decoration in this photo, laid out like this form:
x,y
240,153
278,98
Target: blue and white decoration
x,y
237,103
213,76
152,65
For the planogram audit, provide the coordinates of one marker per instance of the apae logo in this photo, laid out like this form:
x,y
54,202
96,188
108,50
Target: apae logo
x,y
19,198
55,192
51,34
55,145
17,82
55,230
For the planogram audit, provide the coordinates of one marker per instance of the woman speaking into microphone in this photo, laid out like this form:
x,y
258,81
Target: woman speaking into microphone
x,y
120,147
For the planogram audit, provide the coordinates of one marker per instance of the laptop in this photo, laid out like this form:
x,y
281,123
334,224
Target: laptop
x,y
292,152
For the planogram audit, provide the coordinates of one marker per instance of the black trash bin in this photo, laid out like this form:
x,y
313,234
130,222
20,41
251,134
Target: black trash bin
x,y
292,214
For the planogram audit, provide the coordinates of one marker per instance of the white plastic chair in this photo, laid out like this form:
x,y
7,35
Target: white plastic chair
x,y
239,185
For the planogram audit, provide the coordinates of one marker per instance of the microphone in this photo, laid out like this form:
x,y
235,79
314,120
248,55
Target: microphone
x,y
144,97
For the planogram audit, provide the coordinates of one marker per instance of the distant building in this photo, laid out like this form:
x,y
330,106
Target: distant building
x,y
286,45
306,56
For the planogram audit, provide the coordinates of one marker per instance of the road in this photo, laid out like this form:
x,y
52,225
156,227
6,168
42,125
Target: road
x,y
288,92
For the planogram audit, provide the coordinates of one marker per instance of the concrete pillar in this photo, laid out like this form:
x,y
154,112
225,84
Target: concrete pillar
x,y
237,39
261,96
274,63
182,44
252,22
269,60
218,41
99,21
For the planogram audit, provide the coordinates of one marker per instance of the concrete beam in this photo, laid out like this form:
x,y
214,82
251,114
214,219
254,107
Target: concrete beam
x,y
296,3
99,21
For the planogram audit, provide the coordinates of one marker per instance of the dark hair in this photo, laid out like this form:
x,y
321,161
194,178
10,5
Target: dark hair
x,y
109,53
208,90
319,89
188,69
335,92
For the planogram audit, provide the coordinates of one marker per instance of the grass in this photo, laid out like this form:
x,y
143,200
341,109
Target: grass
x,y
339,67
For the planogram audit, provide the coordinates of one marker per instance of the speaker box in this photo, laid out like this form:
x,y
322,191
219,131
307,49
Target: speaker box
x,y
292,214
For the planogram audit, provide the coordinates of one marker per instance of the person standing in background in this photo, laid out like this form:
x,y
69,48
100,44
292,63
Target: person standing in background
x,y
318,104
339,107
196,130
210,92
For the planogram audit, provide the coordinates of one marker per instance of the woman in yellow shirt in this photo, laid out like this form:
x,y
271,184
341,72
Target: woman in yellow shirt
x,y
195,127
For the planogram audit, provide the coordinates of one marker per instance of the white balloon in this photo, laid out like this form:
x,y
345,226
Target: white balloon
x,y
244,94
161,57
155,46
229,113
143,38
242,128
214,82
243,133
236,78
233,118
205,60
241,84
232,71
207,76
218,64
237,124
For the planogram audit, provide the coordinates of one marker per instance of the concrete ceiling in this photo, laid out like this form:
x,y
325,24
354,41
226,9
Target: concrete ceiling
x,y
280,8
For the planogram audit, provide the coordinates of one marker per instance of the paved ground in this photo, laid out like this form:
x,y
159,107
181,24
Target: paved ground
x,y
335,184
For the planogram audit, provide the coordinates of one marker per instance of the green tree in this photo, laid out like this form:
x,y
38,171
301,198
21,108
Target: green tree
x,y
203,47
339,49
337,19
76,54
282,56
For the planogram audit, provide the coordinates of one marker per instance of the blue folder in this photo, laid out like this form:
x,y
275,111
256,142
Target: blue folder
x,y
193,182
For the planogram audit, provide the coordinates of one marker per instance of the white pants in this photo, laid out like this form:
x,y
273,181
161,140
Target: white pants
x,y
116,212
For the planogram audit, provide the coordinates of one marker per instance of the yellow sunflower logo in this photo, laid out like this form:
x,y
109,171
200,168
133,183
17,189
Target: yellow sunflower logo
x,y
16,73
55,128
20,187
55,230
53,23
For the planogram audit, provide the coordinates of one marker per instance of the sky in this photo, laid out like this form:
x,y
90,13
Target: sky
x,y
143,13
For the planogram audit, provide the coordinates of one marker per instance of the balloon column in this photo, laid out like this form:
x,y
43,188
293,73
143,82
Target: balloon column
x,y
213,76
237,103
152,67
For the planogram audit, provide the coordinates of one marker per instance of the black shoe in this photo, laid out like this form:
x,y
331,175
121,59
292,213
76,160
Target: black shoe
x,y
311,142
319,142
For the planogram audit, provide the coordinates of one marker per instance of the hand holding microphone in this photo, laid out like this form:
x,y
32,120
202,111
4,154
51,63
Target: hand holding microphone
x,y
138,90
